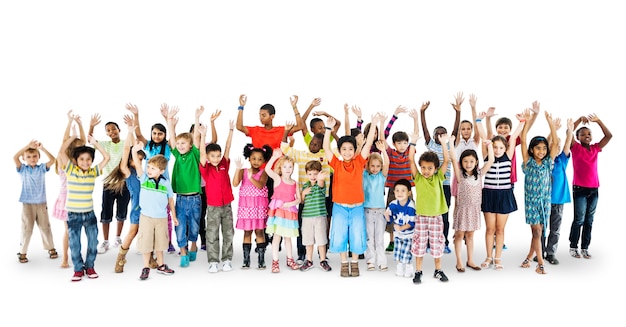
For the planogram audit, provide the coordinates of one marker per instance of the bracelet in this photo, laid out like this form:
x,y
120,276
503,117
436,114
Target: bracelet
x,y
522,120
328,128
240,108
413,144
478,120
296,113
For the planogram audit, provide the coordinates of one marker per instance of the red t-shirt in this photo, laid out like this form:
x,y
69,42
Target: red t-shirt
x,y
218,189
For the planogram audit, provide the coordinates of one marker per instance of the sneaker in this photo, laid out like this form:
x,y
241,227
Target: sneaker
x,y
324,264
227,266
417,278
585,253
301,259
574,253
192,255
103,247
91,273
383,268
145,272
389,247
213,267
203,247
400,269
551,259
504,247
118,242
440,275
184,260
78,276
361,256
447,250
408,270
171,249
307,265
165,270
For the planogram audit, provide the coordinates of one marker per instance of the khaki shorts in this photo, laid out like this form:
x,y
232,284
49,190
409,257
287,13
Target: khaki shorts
x,y
314,231
152,234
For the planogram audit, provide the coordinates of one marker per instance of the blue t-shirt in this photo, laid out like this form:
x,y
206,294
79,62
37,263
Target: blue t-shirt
x,y
560,185
154,195
374,189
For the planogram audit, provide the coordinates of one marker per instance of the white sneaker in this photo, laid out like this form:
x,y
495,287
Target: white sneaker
x,y
227,266
118,242
213,267
400,269
408,270
103,247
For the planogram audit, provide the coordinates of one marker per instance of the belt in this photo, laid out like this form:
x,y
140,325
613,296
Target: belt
x,y
190,194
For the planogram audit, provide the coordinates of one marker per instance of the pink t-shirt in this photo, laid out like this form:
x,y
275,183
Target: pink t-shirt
x,y
585,164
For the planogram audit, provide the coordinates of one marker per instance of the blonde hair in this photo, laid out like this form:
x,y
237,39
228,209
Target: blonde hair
x,y
158,161
187,136
279,163
373,156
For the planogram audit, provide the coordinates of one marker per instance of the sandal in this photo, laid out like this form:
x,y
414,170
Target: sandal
x,y
292,264
53,254
371,266
525,263
22,257
540,270
488,262
498,266
275,266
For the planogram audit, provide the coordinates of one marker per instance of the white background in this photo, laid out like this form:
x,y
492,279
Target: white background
x,y
95,58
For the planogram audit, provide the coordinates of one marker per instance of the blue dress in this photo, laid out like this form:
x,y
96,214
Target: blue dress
x,y
537,190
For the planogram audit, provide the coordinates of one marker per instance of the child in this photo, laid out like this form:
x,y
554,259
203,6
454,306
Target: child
x,y
585,183
58,211
469,184
114,148
559,196
400,214
537,167
186,184
253,201
317,124
33,197
282,214
126,174
374,175
432,143
155,198
81,177
466,141
314,225
214,170
430,206
498,200
348,222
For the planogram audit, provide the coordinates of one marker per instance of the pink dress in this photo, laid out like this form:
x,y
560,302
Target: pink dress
x,y
283,221
467,209
59,211
253,202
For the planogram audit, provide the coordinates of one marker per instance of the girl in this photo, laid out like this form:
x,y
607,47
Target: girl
x,y
537,165
283,209
374,177
253,201
498,200
126,174
59,211
468,181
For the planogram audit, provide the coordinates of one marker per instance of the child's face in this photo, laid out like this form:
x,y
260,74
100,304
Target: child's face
x,y
256,160
113,132
401,146
215,157
84,161
466,130
374,166
468,163
503,129
539,151
402,193
428,168
31,158
498,149
286,169
347,151
157,135
439,132
584,136
315,145
318,128
153,171
312,176
265,117
182,145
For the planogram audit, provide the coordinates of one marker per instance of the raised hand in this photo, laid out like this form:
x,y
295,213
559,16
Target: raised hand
x,y
357,111
472,100
215,114
593,118
400,110
132,108
239,163
294,101
381,145
231,124
570,124
164,109
289,125
481,115
330,122
95,120
458,100
129,120
199,111
535,107
425,105
346,108
491,112
243,99
316,102
413,113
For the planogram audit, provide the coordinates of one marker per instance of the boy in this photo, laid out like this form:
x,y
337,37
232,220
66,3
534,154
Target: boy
x,y
317,124
81,177
431,204
33,197
186,184
348,222
214,171
155,198
314,229
115,149
401,214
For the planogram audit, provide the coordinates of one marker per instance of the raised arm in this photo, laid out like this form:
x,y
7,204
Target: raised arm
x,y
477,135
16,158
607,134
203,154
138,167
51,158
424,125
214,116
491,111
93,122
511,149
382,145
399,110
128,142
365,151
414,138
300,125
346,119
135,111
335,129
458,101
196,122
527,115
105,154
491,158
242,103
569,136
554,140
456,169
328,152
229,139
316,102
444,139
62,156
172,121
276,153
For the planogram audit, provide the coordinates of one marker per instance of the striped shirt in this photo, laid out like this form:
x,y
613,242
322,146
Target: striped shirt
x,y
314,202
301,158
115,151
153,196
399,167
438,149
80,185
498,177
33,183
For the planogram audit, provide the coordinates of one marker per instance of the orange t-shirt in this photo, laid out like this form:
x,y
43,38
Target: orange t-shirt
x,y
348,180
261,136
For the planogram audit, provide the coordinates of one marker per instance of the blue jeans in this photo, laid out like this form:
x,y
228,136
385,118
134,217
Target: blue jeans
x,y
75,222
585,202
348,227
188,210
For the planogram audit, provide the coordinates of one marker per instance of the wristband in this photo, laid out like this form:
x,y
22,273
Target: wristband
x,y
328,128
413,144
522,120
240,108
478,120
